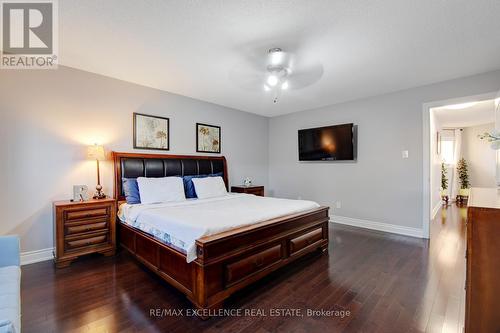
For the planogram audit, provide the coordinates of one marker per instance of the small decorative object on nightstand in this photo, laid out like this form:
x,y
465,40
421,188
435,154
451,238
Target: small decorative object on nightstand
x,y
247,182
80,193
257,190
83,228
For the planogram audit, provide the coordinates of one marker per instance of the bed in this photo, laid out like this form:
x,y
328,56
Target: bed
x,y
216,257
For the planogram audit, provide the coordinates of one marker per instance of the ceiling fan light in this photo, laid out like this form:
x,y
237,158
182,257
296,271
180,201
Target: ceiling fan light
x,y
284,86
272,80
276,56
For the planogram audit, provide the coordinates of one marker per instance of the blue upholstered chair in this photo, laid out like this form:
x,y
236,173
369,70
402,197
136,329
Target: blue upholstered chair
x,y
10,284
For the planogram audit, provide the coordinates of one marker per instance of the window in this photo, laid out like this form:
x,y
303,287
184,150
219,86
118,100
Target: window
x,y
448,150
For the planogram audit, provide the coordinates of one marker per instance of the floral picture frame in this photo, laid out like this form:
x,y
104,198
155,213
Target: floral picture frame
x,y
151,132
208,138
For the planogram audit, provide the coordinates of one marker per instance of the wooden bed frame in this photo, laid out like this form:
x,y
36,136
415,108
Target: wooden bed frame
x,y
227,261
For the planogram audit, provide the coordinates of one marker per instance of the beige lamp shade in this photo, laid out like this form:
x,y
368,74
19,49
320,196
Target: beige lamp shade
x,y
96,152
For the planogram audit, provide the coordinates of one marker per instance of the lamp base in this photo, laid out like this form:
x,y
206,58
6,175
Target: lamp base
x,y
99,194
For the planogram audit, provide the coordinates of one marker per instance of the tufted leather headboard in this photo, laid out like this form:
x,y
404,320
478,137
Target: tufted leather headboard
x,y
133,165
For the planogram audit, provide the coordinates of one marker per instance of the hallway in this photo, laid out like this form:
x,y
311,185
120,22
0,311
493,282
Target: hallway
x,y
447,270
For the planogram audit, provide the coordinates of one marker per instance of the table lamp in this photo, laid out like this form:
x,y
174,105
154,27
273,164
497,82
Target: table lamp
x,y
96,152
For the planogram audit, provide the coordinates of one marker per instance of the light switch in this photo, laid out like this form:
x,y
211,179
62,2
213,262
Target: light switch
x,y
404,153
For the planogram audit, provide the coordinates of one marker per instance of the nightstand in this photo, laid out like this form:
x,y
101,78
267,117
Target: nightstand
x,y
257,190
82,228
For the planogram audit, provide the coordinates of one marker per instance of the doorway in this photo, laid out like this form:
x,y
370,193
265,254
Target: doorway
x,y
451,133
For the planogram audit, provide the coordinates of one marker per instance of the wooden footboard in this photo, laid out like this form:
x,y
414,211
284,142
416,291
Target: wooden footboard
x,y
231,260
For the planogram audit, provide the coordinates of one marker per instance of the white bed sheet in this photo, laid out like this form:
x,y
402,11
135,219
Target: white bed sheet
x,y
187,221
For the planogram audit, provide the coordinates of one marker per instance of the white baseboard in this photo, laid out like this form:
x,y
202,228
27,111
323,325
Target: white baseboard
x,y
31,257
386,227
435,210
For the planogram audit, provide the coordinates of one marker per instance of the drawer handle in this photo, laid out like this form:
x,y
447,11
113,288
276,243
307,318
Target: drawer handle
x,y
258,262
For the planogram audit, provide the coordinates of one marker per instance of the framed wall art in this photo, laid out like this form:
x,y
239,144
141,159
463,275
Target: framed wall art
x,y
151,132
208,138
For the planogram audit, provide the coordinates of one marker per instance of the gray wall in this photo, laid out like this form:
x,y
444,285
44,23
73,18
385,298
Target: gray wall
x,y
380,186
48,117
479,156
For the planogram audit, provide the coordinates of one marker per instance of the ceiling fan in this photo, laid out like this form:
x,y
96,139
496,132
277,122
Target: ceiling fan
x,y
277,72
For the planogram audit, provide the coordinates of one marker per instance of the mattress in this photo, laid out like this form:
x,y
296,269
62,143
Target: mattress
x,y
181,223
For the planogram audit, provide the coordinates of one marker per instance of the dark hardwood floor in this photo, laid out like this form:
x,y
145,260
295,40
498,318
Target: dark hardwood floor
x,y
388,283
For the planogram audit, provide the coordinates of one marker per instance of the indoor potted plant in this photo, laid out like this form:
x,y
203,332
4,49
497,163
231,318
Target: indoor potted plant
x,y
463,178
444,184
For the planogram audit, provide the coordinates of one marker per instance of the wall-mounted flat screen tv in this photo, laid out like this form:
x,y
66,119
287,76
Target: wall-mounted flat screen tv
x,y
329,143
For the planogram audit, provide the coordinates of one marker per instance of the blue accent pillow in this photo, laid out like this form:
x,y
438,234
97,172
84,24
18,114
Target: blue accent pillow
x,y
131,190
189,186
218,174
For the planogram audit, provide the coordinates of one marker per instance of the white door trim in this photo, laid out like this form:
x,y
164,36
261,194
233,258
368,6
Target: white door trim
x,y
426,165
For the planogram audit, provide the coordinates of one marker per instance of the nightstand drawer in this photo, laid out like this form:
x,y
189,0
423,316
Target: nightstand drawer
x,y
255,192
87,227
79,243
86,213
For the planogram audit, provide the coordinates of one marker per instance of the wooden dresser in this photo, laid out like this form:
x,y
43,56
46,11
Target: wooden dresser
x,y
257,190
482,308
82,228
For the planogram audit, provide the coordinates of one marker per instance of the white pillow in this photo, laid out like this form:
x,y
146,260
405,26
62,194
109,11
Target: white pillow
x,y
156,190
209,187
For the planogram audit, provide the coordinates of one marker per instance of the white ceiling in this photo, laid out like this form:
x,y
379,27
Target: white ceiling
x,y
366,47
478,114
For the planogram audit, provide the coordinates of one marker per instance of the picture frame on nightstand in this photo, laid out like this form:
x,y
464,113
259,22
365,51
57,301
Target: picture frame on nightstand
x,y
80,193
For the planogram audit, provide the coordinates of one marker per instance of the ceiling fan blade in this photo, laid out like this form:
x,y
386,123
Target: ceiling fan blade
x,y
255,59
252,72
247,78
305,77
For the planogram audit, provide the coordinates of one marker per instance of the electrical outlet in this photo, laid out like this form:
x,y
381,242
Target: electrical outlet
x,y
338,204
404,153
